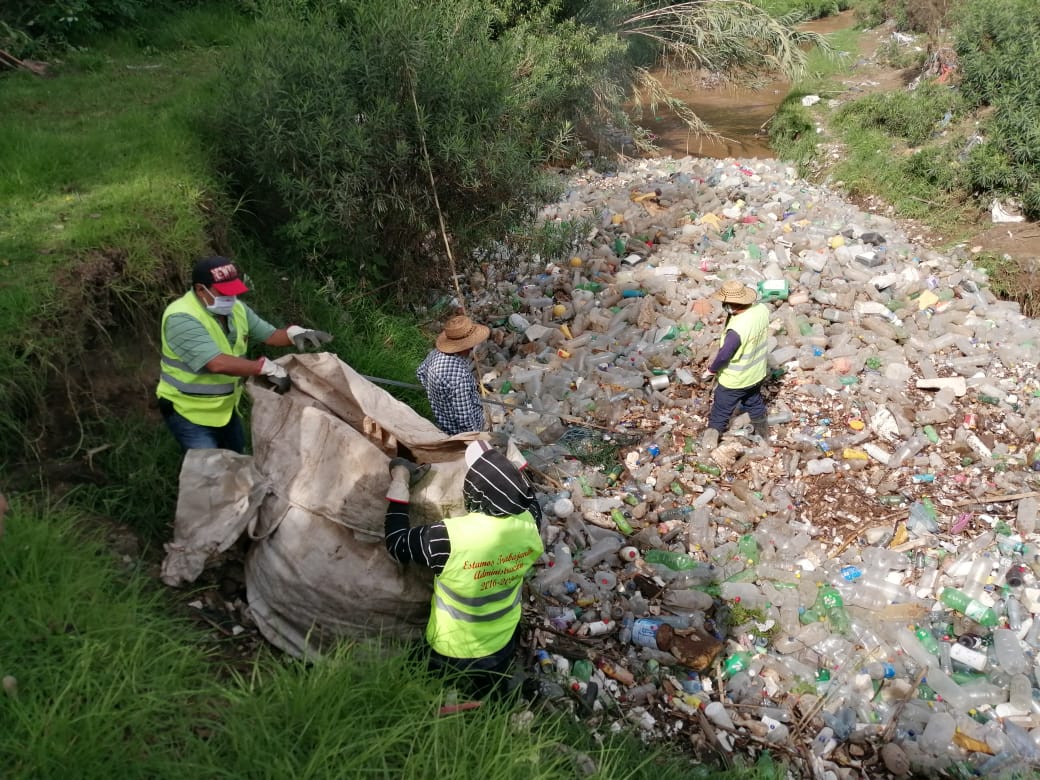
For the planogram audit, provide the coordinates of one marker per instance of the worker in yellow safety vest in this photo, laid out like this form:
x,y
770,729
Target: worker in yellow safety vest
x,y
740,363
205,334
479,561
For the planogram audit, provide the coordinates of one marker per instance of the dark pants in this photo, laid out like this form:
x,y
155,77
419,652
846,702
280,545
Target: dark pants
x,y
482,676
192,436
726,400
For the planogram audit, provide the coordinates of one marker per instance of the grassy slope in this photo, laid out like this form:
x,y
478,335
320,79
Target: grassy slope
x,y
106,161
109,684
108,197
104,196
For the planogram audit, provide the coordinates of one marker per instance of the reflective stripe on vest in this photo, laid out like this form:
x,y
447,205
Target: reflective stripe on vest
x,y
748,366
203,398
476,599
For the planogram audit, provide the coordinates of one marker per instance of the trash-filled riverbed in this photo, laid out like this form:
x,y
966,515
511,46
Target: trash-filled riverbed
x,y
856,591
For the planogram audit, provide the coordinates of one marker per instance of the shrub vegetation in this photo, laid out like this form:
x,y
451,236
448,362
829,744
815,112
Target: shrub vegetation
x,y
999,61
336,118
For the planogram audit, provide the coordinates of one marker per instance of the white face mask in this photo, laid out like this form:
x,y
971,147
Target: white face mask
x,y
222,304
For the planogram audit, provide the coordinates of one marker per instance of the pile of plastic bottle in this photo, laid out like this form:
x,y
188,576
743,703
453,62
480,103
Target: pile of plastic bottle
x,y
864,582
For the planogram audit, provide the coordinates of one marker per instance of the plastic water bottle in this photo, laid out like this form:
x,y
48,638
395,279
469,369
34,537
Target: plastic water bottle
x,y
938,734
746,593
600,550
704,498
606,580
557,571
884,559
978,576
820,466
1008,652
1021,693
880,670
943,684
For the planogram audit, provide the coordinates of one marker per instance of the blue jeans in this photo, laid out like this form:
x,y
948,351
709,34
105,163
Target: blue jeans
x,y
726,400
192,436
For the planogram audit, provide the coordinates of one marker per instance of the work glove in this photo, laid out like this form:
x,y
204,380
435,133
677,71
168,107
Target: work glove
x,y
707,377
276,375
404,474
304,338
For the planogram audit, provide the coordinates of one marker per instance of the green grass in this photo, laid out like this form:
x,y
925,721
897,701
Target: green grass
x,y
109,684
105,198
792,132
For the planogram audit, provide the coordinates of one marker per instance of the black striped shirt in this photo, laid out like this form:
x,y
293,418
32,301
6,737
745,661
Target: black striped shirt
x,y
493,485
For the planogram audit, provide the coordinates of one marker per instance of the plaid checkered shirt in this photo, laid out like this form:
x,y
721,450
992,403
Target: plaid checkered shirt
x,y
452,390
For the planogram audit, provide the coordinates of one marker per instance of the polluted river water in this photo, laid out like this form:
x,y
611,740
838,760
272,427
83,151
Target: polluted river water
x,y
739,115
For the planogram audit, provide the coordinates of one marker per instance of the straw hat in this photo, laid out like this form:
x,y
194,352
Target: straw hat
x,y
733,291
461,333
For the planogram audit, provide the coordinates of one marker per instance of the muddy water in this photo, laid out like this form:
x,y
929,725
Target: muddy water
x,y
739,115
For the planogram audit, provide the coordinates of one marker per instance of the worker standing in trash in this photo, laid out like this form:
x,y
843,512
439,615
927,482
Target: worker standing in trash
x,y
740,364
205,334
479,561
447,376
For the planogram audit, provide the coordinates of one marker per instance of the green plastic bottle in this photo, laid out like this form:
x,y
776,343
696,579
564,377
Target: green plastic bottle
x,y
621,521
972,608
747,549
582,669
927,639
708,468
737,662
833,606
673,560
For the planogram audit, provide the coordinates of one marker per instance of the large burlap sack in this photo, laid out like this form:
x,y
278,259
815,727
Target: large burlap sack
x,y
218,500
317,568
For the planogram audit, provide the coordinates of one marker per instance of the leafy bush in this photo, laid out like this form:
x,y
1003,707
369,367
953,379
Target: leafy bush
x,y
896,54
328,110
998,61
807,9
28,26
912,116
922,16
997,53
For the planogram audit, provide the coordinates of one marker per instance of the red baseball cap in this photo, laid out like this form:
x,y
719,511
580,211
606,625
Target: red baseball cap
x,y
218,274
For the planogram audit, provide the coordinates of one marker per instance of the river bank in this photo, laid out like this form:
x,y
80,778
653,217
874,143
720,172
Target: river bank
x,y
742,116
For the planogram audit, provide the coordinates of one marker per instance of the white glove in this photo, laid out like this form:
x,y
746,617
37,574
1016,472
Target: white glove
x,y
303,338
275,374
708,376
398,491
403,476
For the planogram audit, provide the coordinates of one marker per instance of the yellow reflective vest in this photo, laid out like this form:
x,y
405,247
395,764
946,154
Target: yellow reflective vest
x,y
748,366
476,599
204,398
